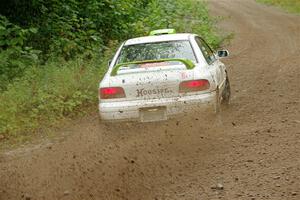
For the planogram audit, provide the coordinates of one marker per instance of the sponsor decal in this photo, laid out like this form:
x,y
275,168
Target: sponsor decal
x,y
184,75
143,92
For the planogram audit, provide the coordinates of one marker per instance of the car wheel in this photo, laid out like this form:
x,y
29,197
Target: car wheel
x,y
226,93
217,105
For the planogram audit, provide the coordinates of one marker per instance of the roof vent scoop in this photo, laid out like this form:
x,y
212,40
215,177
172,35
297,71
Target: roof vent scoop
x,y
162,32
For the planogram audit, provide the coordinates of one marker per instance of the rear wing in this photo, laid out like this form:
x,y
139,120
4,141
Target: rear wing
x,y
188,63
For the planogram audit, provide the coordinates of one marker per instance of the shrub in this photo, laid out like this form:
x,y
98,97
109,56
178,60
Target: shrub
x,y
45,95
15,57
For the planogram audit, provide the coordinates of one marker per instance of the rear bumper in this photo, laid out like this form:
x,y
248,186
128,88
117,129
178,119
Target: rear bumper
x,y
130,110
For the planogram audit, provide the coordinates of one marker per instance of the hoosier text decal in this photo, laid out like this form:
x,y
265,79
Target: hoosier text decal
x,y
143,92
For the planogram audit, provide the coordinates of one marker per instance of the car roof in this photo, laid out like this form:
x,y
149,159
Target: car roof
x,y
158,38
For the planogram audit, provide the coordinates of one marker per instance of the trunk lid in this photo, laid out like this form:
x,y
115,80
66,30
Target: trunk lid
x,y
151,83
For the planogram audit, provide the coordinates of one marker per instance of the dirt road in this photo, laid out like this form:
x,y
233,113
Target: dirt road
x,y
252,149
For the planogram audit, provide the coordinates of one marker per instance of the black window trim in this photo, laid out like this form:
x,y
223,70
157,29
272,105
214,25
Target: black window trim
x,y
215,59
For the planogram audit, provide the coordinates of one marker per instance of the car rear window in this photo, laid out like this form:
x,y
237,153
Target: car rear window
x,y
156,51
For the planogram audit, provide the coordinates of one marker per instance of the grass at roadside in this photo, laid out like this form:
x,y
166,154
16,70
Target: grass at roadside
x,y
289,5
48,93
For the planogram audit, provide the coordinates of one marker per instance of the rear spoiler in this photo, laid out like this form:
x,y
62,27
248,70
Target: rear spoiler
x,y
188,63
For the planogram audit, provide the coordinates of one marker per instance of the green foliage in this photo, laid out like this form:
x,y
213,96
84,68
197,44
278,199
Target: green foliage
x,y
46,94
289,5
12,35
15,57
51,71
70,27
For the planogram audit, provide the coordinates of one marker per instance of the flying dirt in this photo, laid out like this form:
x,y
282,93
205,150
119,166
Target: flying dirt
x,y
249,151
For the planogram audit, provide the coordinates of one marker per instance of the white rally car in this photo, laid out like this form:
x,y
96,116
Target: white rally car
x,y
165,74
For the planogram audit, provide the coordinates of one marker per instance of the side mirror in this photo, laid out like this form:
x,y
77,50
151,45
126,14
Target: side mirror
x,y
223,53
109,62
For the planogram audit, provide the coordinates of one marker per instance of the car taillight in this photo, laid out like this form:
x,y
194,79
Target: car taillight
x,y
194,86
111,93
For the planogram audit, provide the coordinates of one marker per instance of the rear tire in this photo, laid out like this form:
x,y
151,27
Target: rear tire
x,y
217,105
226,93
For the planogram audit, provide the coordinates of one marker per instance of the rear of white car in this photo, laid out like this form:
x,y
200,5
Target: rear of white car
x,y
162,76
